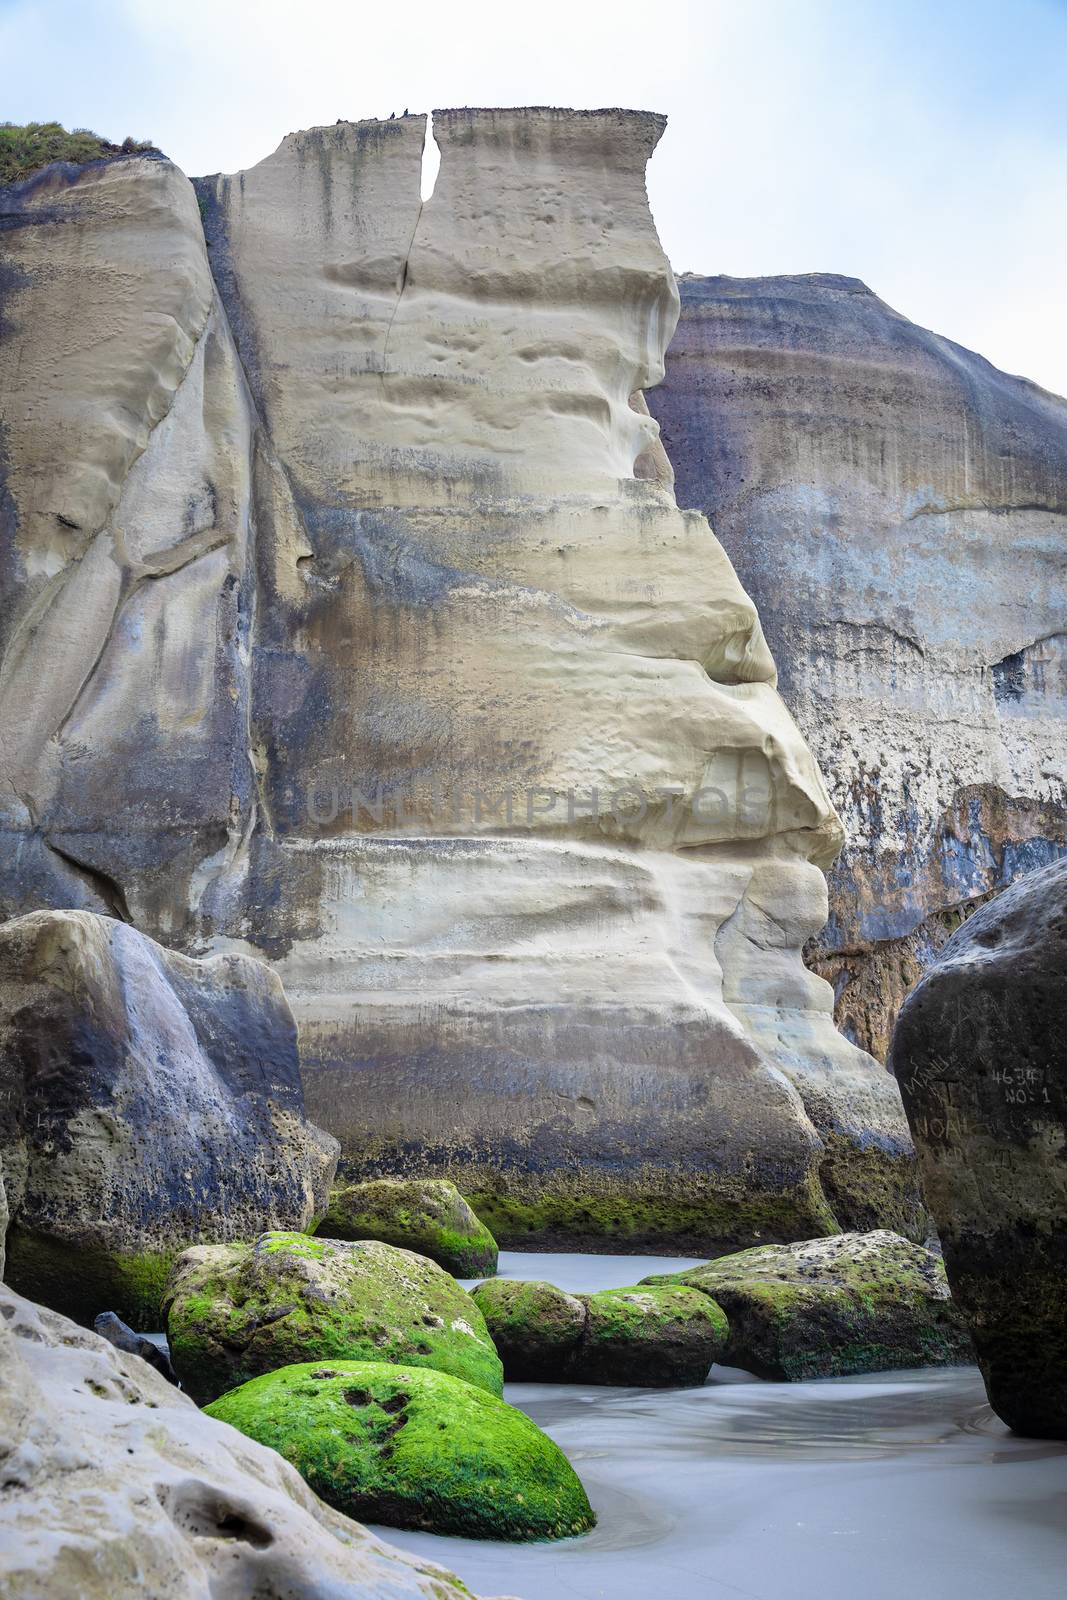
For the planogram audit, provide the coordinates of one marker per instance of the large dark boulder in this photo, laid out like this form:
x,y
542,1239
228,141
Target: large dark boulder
x,y
980,1052
148,1102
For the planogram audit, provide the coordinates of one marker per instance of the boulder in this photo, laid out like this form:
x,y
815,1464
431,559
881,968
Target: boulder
x,y
277,424
897,509
236,1311
427,1215
148,1101
115,1331
980,1052
113,1483
655,1337
535,1327
830,1307
413,1448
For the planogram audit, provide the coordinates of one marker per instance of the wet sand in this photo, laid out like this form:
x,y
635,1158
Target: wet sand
x,y
902,1486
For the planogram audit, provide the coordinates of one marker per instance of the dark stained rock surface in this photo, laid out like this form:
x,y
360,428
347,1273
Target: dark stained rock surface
x,y
413,1448
830,1307
115,1484
236,1311
897,508
148,1101
661,1337
116,1332
427,1215
980,1052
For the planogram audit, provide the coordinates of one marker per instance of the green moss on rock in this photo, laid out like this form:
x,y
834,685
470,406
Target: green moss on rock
x,y
688,1213
236,1311
84,1279
25,148
535,1326
653,1337
830,1307
413,1448
428,1215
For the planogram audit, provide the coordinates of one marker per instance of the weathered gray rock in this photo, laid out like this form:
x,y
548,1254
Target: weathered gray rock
x,y
980,1052
427,1215
147,1102
654,1337
116,1332
345,596
114,1483
236,1311
829,1307
897,508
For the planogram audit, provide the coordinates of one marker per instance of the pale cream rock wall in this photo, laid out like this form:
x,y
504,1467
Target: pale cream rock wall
x,y
439,551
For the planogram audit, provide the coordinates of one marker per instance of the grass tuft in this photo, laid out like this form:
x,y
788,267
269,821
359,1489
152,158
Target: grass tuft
x,y
26,148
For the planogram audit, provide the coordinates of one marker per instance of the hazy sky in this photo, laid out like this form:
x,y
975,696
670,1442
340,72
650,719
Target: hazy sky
x,y
919,146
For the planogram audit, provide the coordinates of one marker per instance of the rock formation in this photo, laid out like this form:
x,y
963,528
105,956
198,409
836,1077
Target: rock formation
x,y
236,1311
661,1337
413,1448
981,1057
826,1308
896,508
427,1215
349,617
148,1101
114,1483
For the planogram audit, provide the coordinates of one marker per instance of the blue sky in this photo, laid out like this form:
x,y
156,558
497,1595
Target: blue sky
x,y
920,147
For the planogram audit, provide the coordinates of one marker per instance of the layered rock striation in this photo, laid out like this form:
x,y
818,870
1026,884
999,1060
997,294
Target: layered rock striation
x,y
897,508
382,649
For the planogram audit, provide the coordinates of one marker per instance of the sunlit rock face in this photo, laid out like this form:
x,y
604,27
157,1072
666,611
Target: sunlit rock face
x,y
897,507
496,772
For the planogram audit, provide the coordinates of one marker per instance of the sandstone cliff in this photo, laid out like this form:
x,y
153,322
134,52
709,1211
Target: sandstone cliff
x,y
349,618
898,510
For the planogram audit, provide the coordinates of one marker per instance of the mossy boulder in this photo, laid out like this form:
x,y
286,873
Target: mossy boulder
x,y
653,1337
236,1311
535,1326
428,1215
656,1337
857,1302
412,1448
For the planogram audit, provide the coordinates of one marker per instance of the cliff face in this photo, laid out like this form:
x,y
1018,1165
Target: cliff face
x,y
898,510
350,618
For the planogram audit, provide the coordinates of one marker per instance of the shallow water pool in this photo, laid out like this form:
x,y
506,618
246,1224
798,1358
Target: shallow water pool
x,y
902,1486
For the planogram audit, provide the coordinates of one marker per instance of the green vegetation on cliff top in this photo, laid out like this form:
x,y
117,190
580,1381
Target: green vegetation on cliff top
x,y
23,149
